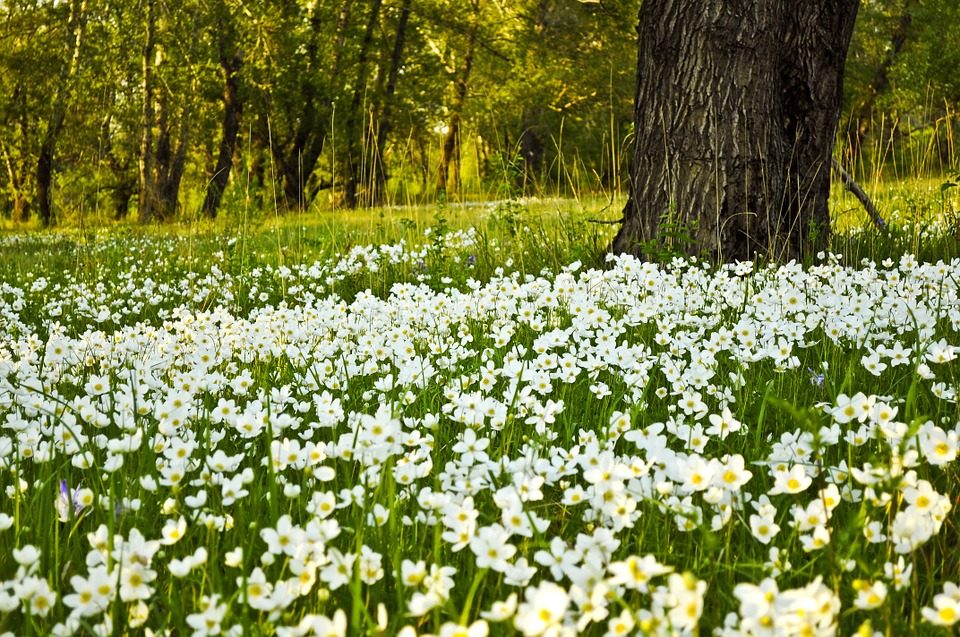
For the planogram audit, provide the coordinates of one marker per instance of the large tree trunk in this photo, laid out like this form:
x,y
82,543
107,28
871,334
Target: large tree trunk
x,y
736,109
48,148
230,62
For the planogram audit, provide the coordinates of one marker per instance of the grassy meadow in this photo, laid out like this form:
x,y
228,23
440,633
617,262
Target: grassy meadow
x,y
466,420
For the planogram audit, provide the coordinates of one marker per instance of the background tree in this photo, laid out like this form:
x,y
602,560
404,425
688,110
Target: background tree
x,y
902,86
58,108
230,56
36,50
187,108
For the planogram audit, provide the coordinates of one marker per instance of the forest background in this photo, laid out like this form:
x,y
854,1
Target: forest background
x,y
156,110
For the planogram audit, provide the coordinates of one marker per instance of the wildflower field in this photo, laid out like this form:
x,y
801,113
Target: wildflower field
x,y
457,435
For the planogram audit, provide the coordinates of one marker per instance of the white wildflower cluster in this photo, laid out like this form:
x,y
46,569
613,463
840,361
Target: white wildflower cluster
x,y
156,281
582,452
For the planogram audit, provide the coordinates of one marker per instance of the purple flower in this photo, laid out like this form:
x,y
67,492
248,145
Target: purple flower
x,y
64,499
816,378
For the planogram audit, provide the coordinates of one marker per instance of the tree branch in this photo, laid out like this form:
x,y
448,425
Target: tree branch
x,y
851,185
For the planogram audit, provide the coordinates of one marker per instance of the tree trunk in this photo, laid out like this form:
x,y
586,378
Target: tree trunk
x,y
531,149
378,175
296,150
13,145
147,186
735,115
450,149
354,158
861,120
123,183
48,148
169,163
18,197
230,62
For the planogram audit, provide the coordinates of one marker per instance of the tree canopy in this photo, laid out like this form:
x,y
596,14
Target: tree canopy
x,y
151,109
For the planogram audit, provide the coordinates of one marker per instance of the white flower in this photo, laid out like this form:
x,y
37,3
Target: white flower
x,y
26,555
92,594
338,570
946,607
234,558
173,531
412,574
501,610
636,572
543,611
208,620
257,591
478,628
870,595
794,480
763,528
370,565
135,581
492,548
686,599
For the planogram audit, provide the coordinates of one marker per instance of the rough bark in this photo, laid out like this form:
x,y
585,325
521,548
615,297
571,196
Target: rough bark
x,y
736,109
230,63
58,112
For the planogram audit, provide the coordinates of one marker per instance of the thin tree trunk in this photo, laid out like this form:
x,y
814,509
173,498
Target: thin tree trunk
x,y
861,120
18,196
147,185
378,176
18,168
124,184
736,110
230,63
354,145
450,149
162,160
531,147
48,148
297,157
851,185
169,164
530,140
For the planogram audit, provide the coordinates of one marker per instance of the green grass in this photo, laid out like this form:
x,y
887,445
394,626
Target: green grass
x,y
365,332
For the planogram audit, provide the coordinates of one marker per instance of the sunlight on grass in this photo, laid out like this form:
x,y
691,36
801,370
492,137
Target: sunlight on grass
x,y
468,421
